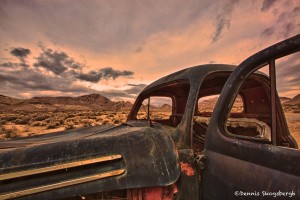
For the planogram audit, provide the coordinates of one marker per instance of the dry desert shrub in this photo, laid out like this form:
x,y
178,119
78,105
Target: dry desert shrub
x,y
116,121
22,121
36,123
32,123
9,132
105,122
291,108
41,118
92,117
10,118
69,125
87,122
100,119
53,124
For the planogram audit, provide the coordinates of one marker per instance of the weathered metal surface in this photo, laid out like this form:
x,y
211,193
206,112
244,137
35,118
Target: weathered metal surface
x,y
57,167
225,174
143,149
61,136
62,184
187,169
188,184
194,76
260,166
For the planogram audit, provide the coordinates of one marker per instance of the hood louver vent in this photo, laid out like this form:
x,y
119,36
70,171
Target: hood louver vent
x,y
60,175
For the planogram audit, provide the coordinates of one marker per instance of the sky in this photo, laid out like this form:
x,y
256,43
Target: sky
x,y
117,47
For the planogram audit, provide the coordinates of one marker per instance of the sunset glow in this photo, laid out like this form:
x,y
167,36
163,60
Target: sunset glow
x,y
116,48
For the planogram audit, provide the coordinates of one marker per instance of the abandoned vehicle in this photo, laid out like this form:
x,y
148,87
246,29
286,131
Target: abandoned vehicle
x,y
241,144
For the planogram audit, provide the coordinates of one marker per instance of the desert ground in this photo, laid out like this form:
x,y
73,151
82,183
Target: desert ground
x,y
293,120
22,123
39,115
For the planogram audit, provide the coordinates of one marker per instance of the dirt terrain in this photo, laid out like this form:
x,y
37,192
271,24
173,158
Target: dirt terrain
x,y
22,123
293,120
39,115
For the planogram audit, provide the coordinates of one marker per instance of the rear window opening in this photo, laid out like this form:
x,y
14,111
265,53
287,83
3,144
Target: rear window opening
x,y
249,117
207,104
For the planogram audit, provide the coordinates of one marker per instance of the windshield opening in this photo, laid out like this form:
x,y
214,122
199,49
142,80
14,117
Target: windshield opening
x,y
164,105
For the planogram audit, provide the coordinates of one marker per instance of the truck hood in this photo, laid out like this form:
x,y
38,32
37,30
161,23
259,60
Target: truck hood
x,y
87,160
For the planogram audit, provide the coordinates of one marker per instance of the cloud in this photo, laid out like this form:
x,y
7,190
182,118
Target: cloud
x,y
91,76
133,85
14,65
111,73
104,73
288,29
26,79
221,24
288,74
286,25
116,94
9,65
20,53
267,32
289,22
135,88
139,49
296,10
55,61
98,23
289,15
18,77
172,34
131,93
223,19
267,4
60,63
33,81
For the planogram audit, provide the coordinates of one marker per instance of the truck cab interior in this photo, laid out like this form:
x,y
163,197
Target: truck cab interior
x,y
250,116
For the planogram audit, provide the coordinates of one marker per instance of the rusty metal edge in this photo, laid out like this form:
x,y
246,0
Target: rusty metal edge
x,y
61,184
58,167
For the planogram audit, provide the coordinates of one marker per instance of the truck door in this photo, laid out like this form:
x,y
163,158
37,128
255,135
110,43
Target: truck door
x,y
253,153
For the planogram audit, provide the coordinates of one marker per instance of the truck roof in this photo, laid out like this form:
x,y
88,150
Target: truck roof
x,y
191,73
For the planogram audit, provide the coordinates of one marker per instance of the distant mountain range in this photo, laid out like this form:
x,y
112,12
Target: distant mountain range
x,y
92,102
284,99
85,102
294,100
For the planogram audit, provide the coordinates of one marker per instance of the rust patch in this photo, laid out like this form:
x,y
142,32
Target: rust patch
x,y
187,169
153,193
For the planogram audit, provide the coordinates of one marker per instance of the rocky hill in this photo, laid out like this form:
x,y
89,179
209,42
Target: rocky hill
x,y
284,99
166,107
85,102
294,100
8,100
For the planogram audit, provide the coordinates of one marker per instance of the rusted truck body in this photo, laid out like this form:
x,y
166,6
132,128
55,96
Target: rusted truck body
x,y
191,154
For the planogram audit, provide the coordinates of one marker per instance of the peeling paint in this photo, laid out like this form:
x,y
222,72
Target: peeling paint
x,y
187,169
